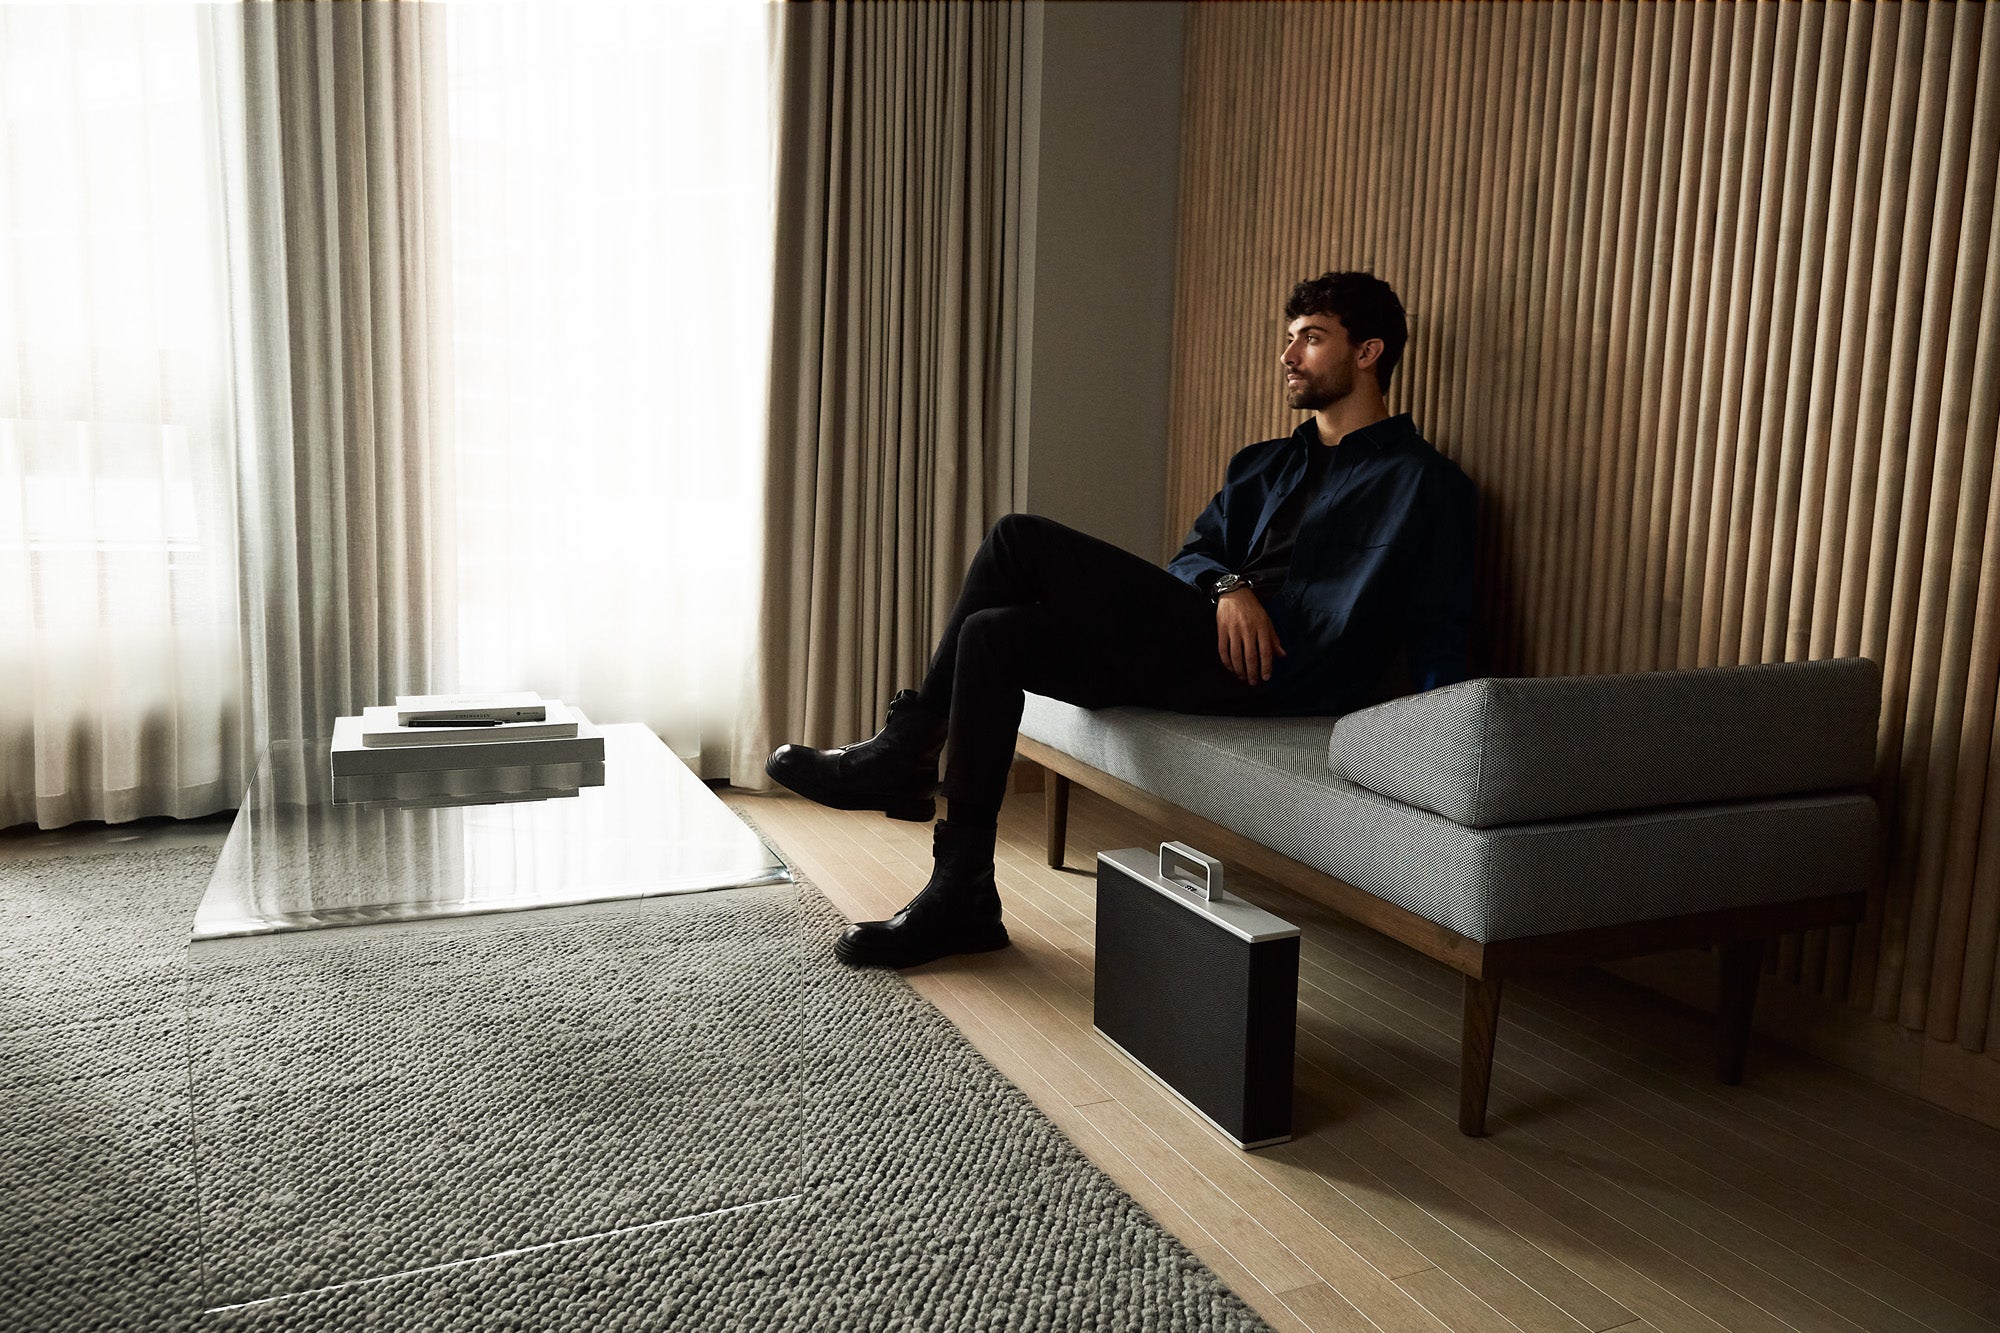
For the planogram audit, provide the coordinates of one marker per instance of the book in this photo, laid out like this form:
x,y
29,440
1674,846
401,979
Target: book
x,y
381,726
349,756
463,786
518,706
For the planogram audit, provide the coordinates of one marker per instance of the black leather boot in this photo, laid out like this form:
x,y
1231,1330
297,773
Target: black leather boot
x,y
894,771
958,911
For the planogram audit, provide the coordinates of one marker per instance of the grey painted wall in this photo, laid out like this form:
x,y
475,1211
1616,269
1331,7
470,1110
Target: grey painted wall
x,y
1098,332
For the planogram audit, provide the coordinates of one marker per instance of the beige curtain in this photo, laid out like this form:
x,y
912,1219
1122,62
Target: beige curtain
x,y
118,680
894,360
1707,299
334,133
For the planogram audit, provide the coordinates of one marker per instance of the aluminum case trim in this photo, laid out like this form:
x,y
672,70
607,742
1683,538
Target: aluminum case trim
x,y
1230,913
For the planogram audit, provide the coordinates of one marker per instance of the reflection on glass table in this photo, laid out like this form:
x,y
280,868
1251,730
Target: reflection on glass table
x,y
301,857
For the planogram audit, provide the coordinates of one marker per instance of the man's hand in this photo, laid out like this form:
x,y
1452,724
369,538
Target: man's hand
x,y
1245,637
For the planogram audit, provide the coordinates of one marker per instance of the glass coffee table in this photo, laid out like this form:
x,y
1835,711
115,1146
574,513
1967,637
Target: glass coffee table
x,y
640,824
442,1097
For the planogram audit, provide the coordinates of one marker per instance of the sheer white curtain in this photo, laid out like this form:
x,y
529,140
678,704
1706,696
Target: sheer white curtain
x,y
233,496
611,241
118,627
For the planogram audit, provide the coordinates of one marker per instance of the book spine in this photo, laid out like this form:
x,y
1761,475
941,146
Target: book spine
x,y
500,735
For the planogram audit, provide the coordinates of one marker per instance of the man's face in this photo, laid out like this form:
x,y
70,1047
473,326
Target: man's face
x,y
1318,361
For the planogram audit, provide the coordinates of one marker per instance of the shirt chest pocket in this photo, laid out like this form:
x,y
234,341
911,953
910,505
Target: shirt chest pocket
x,y
1365,516
1361,532
1342,552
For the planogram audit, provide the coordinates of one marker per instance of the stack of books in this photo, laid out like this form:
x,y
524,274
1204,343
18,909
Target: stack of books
x,y
442,748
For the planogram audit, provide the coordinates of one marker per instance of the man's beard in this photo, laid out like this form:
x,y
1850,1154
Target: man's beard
x,y
1312,395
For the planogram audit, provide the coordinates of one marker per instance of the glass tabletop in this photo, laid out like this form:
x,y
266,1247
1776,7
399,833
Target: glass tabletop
x,y
303,855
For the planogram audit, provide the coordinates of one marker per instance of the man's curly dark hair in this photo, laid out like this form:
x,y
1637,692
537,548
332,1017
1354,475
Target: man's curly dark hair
x,y
1366,307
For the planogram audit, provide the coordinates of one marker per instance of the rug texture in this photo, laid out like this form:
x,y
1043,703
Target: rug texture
x,y
671,1113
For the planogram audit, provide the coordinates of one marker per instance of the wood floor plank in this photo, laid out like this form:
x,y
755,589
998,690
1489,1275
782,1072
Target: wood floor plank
x,y
1024,1072
1452,1303
1076,1043
967,994
1532,1288
1366,1221
1319,1307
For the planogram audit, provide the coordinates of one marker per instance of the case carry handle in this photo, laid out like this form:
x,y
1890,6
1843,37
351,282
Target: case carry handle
x,y
1178,861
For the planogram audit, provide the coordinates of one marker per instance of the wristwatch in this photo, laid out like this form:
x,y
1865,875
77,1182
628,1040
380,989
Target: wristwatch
x,y
1228,583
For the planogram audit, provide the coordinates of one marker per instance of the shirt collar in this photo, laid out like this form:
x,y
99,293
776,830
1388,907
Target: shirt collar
x,y
1394,427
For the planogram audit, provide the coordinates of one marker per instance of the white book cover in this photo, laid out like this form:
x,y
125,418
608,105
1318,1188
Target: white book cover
x,y
349,756
516,706
382,726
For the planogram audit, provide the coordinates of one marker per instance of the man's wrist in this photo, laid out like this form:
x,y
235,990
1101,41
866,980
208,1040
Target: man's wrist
x,y
1225,585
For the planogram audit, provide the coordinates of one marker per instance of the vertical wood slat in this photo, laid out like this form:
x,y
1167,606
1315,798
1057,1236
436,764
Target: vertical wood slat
x,y
1656,596
1920,611
1895,566
1616,445
1702,297
1695,425
1836,579
1802,505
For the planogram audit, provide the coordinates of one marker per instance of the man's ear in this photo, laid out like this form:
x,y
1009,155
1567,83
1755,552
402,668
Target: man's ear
x,y
1367,354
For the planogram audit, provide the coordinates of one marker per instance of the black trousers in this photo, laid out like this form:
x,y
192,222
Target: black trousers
x,y
1048,609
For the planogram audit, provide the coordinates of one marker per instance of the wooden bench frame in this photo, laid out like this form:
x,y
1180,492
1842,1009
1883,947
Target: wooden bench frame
x,y
1739,932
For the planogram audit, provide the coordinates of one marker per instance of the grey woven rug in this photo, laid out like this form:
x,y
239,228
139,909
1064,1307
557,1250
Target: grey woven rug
x,y
677,1113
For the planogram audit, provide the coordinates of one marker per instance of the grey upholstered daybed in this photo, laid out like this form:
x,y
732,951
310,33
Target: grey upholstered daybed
x,y
1500,825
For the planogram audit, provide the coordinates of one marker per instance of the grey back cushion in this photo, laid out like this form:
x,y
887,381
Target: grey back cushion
x,y
1497,751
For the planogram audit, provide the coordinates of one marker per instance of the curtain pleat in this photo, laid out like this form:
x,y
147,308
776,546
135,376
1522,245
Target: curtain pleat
x,y
1704,297
344,507
894,365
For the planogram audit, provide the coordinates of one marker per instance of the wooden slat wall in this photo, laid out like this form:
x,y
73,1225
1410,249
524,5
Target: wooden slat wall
x,y
1706,298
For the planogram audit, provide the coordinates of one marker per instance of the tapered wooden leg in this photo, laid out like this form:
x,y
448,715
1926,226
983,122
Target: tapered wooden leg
x,y
1736,998
1475,1053
1055,809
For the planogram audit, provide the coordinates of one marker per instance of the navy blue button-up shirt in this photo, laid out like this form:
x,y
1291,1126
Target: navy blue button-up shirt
x,y
1380,582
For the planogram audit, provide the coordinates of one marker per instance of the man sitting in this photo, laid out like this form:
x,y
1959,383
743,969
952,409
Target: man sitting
x,y
1329,559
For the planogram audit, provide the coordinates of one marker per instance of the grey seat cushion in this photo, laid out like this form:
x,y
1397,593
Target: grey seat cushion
x,y
1267,779
1491,752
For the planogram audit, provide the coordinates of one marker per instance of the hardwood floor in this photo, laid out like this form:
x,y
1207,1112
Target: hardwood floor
x,y
1621,1186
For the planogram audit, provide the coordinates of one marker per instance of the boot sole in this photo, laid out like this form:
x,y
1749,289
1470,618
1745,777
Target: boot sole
x,y
917,811
859,958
